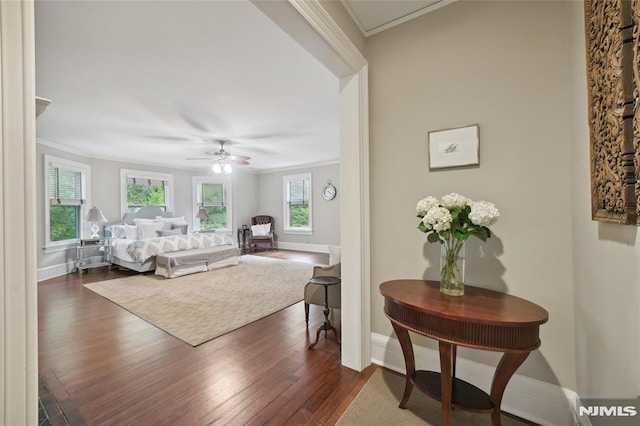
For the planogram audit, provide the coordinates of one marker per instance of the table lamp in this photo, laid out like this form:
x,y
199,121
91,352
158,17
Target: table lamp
x,y
202,213
95,216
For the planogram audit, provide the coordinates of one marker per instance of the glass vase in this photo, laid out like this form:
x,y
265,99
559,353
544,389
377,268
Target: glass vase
x,y
452,267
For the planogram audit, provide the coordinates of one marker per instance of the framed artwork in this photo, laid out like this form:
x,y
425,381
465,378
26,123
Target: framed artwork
x,y
459,147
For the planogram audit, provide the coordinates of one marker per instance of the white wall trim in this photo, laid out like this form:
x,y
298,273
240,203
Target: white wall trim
x,y
296,167
54,271
18,289
354,179
313,248
397,21
317,16
537,401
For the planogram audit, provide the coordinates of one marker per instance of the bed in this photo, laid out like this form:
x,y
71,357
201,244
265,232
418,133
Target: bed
x,y
150,233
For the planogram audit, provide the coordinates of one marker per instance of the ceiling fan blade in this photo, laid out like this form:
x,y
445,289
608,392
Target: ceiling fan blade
x,y
239,162
238,158
200,158
171,138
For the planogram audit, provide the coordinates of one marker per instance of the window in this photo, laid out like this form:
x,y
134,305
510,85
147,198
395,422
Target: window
x,y
213,195
66,184
297,204
139,189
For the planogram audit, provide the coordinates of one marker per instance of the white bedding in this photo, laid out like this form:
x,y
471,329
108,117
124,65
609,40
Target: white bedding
x,y
140,251
119,249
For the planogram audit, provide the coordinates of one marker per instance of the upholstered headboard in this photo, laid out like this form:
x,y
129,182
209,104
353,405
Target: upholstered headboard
x,y
147,212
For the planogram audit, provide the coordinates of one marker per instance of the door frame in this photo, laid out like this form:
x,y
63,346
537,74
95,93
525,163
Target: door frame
x,y
18,267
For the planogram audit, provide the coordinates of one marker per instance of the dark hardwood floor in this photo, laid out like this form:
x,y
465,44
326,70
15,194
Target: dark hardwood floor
x,y
103,365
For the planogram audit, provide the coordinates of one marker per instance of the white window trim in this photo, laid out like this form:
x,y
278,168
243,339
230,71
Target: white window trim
x,y
141,174
85,170
226,181
285,205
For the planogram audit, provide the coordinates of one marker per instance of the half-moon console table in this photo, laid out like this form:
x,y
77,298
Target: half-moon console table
x,y
481,319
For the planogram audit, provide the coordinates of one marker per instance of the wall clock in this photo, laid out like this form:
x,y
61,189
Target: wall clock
x,y
329,191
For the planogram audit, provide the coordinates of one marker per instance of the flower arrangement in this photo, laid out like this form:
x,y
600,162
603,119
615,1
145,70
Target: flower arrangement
x,y
450,221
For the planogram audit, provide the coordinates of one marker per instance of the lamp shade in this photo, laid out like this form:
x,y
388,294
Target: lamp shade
x,y
95,215
202,213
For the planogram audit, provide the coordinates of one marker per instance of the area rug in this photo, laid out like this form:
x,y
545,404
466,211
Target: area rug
x,y
377,404
199,307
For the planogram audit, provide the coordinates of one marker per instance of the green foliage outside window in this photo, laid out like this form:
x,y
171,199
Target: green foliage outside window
x,y
217,218
299,215
298,203
63,222
212,193
144,195
213,203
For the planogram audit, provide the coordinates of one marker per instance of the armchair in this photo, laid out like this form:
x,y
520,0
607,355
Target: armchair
x,y
314,293
256,237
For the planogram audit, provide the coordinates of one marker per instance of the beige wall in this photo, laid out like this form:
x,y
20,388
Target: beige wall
x,y
606,266
505,66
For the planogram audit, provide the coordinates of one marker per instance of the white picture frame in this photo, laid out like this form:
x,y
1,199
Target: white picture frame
x,y
457,147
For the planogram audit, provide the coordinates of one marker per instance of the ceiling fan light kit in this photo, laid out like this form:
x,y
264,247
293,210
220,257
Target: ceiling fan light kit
x,y
222,159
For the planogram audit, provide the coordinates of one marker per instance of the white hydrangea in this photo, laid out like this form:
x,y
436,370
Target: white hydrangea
x,y
425,205
455,201
438,218
483,213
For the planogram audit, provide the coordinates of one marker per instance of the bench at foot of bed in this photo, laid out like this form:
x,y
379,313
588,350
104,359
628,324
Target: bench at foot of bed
x,y
171,265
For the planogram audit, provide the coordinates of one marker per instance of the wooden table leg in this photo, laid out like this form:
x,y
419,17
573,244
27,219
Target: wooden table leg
x,y
446,379
409,361
508,365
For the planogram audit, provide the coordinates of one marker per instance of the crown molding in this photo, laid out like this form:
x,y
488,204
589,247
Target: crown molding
x,y
397,21
318,17
297,167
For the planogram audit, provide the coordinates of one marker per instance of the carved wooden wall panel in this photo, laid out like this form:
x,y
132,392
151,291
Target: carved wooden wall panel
x,y
635,8
612,78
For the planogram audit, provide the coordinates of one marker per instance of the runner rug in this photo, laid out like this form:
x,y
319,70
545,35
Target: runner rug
x,y
199,307
377,404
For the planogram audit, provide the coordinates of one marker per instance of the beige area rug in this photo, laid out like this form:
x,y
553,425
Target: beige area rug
x,y
377,404
199,307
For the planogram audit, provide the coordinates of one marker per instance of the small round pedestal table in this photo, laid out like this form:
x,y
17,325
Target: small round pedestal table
x,y
326,282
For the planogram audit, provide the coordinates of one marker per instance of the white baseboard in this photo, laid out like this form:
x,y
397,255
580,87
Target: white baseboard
x,y
534,400
315,248
55,271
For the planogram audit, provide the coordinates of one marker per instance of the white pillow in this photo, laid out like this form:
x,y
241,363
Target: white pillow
x,y
177,220
131,232
334,255
138,221
169,221
117,231
260,230
148,230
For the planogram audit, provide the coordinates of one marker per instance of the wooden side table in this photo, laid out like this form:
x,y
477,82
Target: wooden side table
x,y
325,281
481,319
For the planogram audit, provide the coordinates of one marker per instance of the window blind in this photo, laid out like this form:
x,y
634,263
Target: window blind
x,y
212,194
145,181
65,187
299,192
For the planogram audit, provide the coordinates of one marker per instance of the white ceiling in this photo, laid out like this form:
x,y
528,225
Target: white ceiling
x,y
157,82
373,16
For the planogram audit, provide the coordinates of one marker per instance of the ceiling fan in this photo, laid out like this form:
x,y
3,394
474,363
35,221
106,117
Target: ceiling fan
x,y
222,160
